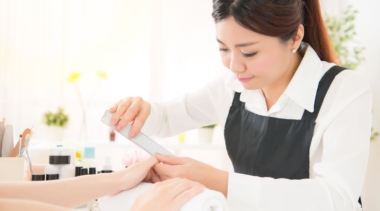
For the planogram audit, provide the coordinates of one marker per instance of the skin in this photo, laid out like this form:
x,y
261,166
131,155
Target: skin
x,y
271,77
49,195
258,61
169,195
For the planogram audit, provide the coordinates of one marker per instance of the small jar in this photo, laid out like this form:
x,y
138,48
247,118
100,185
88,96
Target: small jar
x,y
59,161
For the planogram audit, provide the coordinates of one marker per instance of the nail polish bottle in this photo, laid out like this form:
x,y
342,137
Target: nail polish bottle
x,y
112,135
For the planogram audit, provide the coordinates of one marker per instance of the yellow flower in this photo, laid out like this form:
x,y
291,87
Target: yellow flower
x,y
181,138
73,77
102,74
78,154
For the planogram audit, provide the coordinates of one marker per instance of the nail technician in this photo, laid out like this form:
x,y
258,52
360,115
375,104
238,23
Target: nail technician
x,y
60,195
296,126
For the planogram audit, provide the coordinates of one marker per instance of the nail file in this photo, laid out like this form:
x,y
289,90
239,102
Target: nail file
x,y
140,139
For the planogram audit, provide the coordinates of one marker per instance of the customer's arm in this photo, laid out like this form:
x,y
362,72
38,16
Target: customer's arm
x,y
79,190
21,205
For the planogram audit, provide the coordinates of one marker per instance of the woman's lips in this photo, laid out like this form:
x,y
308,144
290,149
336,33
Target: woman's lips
x,y
245,80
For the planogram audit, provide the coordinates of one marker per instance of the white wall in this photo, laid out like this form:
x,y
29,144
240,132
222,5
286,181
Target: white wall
x,y
368,28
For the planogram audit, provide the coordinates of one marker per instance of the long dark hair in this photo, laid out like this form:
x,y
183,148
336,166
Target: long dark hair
x,y
280,18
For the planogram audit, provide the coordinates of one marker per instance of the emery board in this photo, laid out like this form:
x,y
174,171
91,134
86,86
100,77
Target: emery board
x,y
140,139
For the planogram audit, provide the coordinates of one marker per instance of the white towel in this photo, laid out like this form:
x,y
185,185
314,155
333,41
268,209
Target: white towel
x,y
208,200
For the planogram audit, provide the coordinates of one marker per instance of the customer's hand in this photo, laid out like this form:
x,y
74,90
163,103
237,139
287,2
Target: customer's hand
x,y
131,110
169,195
137,173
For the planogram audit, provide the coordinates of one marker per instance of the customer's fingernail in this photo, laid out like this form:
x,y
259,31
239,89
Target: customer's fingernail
x,y
132,134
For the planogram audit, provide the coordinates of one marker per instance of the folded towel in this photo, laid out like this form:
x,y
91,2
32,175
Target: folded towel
x,y
208,200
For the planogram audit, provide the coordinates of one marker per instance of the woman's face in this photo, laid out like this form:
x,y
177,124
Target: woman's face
x,y
257,60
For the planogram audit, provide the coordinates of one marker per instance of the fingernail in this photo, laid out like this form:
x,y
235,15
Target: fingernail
x,y
118,127
132,134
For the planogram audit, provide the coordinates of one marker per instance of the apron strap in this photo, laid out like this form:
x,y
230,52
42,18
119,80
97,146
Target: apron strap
x,y
236,101
323,87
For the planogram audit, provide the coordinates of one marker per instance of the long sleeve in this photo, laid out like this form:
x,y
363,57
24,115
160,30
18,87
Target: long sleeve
x,y
338,176
208,105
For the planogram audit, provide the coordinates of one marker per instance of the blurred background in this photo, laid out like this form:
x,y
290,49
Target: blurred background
x,y
85,55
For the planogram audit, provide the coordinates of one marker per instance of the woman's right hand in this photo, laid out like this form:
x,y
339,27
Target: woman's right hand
x,y
169,195
131,110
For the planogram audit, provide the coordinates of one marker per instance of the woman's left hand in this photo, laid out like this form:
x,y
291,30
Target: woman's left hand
x,y
174,167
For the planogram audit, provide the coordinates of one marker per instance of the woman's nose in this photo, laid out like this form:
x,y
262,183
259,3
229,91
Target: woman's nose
x,y
236,66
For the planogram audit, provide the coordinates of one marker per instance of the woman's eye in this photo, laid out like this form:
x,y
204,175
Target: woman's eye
x,y
223,49
249,55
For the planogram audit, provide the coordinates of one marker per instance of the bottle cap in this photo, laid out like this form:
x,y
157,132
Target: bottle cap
x,y
38,177
59,159
92,170
52,176
78,170
83,171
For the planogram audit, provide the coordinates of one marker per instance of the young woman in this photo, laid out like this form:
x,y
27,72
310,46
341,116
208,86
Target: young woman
x,y
296,126
60,195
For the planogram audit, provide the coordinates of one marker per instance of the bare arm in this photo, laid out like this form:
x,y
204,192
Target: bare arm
x,y
21,205
79,190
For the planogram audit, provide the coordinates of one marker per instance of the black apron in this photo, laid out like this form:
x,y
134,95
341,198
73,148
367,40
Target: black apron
x,y
272,147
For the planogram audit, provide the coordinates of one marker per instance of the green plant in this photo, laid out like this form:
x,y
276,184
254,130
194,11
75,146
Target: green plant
x,y
209,126
342,34
374,135
59,118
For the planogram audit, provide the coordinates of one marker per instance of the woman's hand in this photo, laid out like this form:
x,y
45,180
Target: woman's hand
x,y
131,110
136,173
174,167
169,195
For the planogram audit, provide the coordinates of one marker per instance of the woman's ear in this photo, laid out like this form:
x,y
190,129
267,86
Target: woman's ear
x,y
297,39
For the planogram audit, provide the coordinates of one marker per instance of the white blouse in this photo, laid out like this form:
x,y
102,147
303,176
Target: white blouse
x,y
339,147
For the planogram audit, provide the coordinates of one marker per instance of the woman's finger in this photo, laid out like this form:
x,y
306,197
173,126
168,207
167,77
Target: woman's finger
x,y
140,121
122,107
171,160
114,107
165,171
129,115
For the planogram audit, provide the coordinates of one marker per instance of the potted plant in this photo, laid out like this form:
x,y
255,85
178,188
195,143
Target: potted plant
x,y
56,123
206,133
